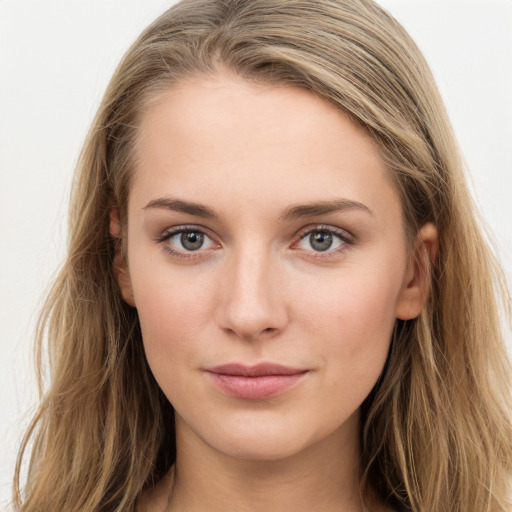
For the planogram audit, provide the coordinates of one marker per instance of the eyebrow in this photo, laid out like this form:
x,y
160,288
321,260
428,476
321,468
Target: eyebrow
x,y
291,213
322,208
177,205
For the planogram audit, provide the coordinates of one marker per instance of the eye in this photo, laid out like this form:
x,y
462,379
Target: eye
x,y
324,239
181,241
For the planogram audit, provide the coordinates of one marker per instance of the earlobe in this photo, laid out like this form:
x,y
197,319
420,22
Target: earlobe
x,y
416,286
120,265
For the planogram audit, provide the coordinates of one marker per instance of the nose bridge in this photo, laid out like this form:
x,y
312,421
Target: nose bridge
x,y
253,302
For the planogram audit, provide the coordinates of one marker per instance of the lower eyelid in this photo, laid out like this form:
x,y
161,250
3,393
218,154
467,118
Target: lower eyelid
x,y
344,237
176,252
346,240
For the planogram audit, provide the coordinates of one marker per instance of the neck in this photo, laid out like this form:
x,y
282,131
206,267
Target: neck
x,y
323,476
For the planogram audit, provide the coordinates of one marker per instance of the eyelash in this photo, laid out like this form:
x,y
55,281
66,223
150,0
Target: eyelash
x,y
189,255
346,239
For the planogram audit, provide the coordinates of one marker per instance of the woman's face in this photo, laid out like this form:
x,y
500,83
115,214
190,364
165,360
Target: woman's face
x,y
267,260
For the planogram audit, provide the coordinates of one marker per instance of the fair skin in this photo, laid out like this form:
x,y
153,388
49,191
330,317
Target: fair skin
x,y
263,228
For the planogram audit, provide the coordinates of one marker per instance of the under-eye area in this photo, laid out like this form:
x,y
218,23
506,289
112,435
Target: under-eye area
x,y
319,241
187,242
324,240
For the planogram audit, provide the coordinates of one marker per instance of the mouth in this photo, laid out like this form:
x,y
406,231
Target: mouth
x,y
258,382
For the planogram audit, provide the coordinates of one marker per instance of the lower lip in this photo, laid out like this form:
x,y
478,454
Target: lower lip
x,y
255,388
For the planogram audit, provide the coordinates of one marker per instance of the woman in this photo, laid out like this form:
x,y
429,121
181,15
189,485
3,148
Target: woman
x,y
277,295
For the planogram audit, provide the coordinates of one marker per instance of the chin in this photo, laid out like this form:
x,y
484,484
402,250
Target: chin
x,y
264,448
271,438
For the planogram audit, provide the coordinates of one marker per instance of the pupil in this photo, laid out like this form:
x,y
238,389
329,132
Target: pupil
x,y
192,241
320,241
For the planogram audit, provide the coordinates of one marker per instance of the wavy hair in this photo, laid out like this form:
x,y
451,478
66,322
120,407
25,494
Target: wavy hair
x,y
436,432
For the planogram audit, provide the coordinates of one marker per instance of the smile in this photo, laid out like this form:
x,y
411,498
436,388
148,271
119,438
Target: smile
x,y
258,382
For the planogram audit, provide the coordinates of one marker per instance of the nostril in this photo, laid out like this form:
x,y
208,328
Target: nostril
x,y
253,334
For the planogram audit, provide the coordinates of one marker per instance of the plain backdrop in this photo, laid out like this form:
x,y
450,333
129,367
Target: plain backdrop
x,y
56,57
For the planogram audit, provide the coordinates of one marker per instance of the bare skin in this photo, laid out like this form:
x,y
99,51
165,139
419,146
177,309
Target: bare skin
x,y
300,483
264,228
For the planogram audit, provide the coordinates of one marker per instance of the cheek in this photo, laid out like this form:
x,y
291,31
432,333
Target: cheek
x,y
173,309
356,304
352,318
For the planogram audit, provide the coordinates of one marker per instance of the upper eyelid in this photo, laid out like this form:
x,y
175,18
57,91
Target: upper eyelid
x,y
169,232
344,234
301,232
167,236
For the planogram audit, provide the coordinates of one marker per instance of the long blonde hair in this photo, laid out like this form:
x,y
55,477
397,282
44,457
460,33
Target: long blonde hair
x,y
436,432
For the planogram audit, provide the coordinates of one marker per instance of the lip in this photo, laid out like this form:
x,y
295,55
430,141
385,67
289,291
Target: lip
x,y
257,382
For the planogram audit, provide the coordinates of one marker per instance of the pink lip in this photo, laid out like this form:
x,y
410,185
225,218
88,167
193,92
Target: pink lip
x,y
264,380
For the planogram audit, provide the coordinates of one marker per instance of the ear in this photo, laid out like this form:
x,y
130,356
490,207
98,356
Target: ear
x,y
416,286
120,265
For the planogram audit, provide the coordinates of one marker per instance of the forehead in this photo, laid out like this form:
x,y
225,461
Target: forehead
x,y
224,139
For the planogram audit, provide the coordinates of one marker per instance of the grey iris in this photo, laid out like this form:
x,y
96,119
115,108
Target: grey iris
x,y
192,241
321,240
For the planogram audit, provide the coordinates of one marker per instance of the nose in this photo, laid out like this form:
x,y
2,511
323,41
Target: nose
x,y
253,303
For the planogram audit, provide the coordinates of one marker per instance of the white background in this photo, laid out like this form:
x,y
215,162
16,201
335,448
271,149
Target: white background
x,y
56,57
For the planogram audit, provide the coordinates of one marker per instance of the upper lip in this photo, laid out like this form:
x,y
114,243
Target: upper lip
x,y
254,370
